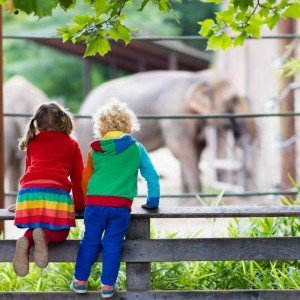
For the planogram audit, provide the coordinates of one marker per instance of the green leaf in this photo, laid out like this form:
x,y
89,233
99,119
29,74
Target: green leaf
x,y
273,21
125,33
67,4
254,30
240,39
96,45
264,12
40,8
206,26
83,20
215,42
293,11
282,5
164,5
227,15
65,33
145,2
101,7
213,1
121,32
243,5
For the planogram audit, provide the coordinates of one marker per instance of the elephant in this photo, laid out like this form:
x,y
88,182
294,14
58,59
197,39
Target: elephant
x,y
173,92
19,97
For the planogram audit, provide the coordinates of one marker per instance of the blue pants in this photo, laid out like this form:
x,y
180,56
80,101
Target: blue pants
x,y
105,228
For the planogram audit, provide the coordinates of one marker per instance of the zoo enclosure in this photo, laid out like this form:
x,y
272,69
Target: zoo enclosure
x,y
238,167
166,56
140,250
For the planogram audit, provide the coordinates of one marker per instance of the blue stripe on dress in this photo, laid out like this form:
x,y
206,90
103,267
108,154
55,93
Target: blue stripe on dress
x,y
43,190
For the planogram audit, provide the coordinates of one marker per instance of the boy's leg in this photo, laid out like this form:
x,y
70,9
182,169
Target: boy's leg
x,y
89,247
112,244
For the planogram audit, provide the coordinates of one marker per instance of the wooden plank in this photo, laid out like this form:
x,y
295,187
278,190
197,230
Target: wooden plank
x,y
202,212
162,295
138,275
206,249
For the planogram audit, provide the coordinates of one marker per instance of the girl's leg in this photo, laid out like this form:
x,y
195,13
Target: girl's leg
x,y
21,255
40,253
56,236
112,244
41,238
95,219
28,235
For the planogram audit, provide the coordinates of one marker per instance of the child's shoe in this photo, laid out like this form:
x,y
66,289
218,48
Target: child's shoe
x,y
107,291
79,287
40,248
21,257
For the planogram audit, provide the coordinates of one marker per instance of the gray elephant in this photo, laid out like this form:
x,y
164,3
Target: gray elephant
x,y
172,92
19,97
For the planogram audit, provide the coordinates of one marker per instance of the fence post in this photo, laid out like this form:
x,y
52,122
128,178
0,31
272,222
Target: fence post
x,y
138,275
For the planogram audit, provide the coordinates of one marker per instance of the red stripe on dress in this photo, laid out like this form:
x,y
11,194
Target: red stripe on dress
x,y
113,201
45,219
43,185
40,211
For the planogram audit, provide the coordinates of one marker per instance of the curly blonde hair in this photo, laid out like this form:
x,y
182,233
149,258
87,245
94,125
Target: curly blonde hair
x,y
114,116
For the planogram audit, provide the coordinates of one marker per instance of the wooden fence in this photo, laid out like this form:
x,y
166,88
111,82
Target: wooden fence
x,y
140,251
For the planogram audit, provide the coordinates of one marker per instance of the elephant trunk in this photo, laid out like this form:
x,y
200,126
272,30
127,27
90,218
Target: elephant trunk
x,y
236,128
243,130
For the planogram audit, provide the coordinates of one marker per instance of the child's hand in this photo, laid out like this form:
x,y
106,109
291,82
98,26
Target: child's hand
x,y
12,208
145,206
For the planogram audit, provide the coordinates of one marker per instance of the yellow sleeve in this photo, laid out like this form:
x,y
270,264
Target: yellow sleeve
x,y
87,173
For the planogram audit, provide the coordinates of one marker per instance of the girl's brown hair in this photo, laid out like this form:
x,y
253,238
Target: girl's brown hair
x,y
48,116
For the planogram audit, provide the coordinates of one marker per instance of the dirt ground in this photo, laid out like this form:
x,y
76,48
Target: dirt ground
x,y
168,168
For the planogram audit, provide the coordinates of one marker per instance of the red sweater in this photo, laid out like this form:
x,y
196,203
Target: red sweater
x,y
53,155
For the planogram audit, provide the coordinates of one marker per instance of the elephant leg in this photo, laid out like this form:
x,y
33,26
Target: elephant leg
x,y
13,159
185,148
13,174
198,148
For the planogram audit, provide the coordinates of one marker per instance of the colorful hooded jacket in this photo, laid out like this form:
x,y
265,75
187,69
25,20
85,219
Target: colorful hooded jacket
x,y
111,172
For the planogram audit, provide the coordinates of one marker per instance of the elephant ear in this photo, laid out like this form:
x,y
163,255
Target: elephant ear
x,y
223,96
198,98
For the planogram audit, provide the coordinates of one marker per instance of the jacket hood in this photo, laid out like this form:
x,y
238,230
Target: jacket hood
x,y
113,146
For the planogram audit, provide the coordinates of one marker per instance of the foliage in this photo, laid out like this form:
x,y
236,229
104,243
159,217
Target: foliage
x,y
106,19
241,18
245,19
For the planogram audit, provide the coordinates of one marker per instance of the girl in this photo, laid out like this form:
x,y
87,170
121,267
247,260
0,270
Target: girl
x,y
109,182
54,167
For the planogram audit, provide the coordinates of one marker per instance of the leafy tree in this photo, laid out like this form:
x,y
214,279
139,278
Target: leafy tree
x,y
106,19
245,18
242,18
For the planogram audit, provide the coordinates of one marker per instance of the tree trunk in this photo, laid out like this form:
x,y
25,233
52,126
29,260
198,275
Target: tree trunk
x,y
287,124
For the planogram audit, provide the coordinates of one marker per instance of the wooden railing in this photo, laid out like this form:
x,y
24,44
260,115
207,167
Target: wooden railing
x,y
139,251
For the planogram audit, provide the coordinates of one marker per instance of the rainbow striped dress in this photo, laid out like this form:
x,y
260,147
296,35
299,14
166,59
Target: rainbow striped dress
x,y
44,207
